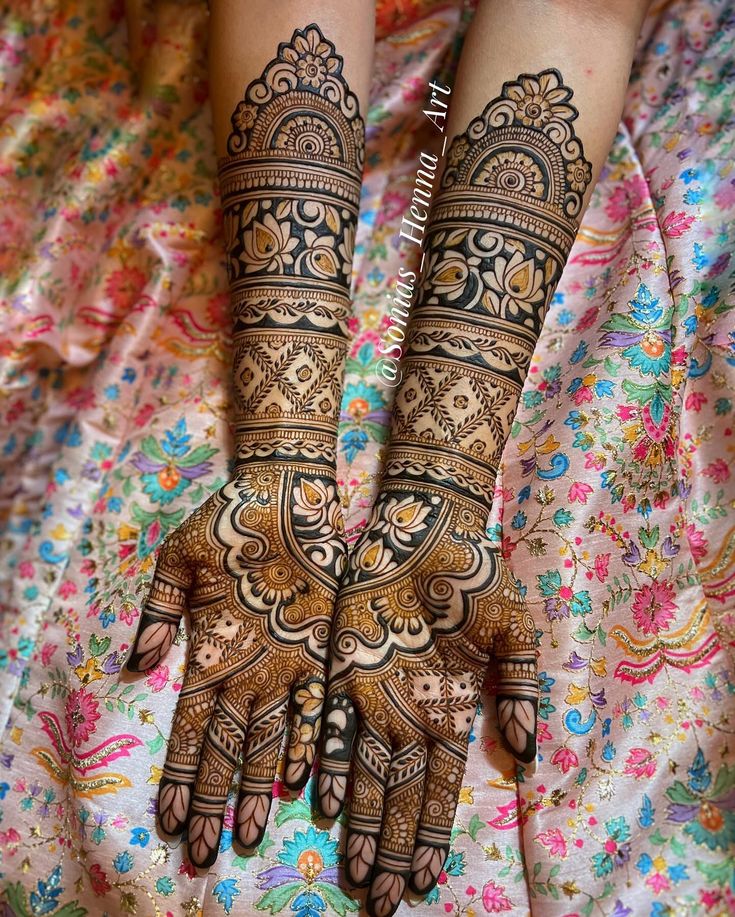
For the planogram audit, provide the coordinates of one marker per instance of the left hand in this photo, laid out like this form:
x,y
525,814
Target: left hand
x,y
257,567
426,602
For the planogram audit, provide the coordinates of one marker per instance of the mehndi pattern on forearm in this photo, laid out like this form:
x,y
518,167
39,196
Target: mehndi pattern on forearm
x,y
499,233
290,189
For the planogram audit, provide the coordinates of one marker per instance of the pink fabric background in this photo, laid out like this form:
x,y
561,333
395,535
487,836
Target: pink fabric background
x,y
616,507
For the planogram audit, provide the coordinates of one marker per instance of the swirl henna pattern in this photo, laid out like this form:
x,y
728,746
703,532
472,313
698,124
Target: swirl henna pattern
x,y
258,564
427,600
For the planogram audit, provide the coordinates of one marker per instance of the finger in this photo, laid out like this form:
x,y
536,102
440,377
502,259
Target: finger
x,y
163,610
371,768
518,691
262,748
308,703
402,806
444,774
340,724
222,746
193,713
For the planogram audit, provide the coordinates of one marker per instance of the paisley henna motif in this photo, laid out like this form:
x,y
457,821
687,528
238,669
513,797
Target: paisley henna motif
x,y
258,564
428,600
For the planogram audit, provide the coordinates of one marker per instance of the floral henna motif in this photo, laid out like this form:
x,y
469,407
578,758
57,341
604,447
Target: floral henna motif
x,y
258,564
428,601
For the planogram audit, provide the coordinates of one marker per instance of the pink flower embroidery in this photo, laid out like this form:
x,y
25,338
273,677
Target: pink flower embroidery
x,y
602,561
653,609
565,759
124,287
66,589
82,712
579,492
658,882
698,544
626,198
494,899
158,678
640,763
718,471
554,840
676,223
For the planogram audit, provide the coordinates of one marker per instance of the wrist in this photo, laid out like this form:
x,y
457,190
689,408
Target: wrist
x,y
303,447
428,466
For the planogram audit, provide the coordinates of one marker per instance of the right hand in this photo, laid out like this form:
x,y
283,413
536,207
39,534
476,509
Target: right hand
x,y
427,601
257,565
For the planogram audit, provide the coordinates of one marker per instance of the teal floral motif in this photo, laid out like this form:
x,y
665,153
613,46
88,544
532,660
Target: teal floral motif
x,y
704,806
44,899
170,465
616,848
363,418
560,600
305,878
645,333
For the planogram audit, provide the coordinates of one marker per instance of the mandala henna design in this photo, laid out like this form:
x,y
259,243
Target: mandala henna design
x,y
258,564
427,600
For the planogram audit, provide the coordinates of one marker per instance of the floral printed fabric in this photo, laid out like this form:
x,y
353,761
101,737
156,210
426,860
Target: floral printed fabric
x,y
615,508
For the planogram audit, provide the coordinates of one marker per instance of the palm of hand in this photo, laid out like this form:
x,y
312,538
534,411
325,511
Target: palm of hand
x,y
257,565
426,602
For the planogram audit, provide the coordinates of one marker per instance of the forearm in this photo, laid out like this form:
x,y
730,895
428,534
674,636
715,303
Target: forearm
x,y
291,154
516,179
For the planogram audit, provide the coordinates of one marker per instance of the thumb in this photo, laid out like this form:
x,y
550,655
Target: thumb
x,y
162,613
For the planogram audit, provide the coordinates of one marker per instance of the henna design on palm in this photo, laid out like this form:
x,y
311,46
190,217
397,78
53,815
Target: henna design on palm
x,y
258,564
428,599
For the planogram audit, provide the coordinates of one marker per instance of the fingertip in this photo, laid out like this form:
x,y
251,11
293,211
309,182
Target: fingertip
x,y
386,892
360,858
207,861
205,833
295,784
528,755
331,793
426,868
252,818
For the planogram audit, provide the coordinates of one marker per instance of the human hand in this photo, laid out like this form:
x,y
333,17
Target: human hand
x,y
257,565
426,602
